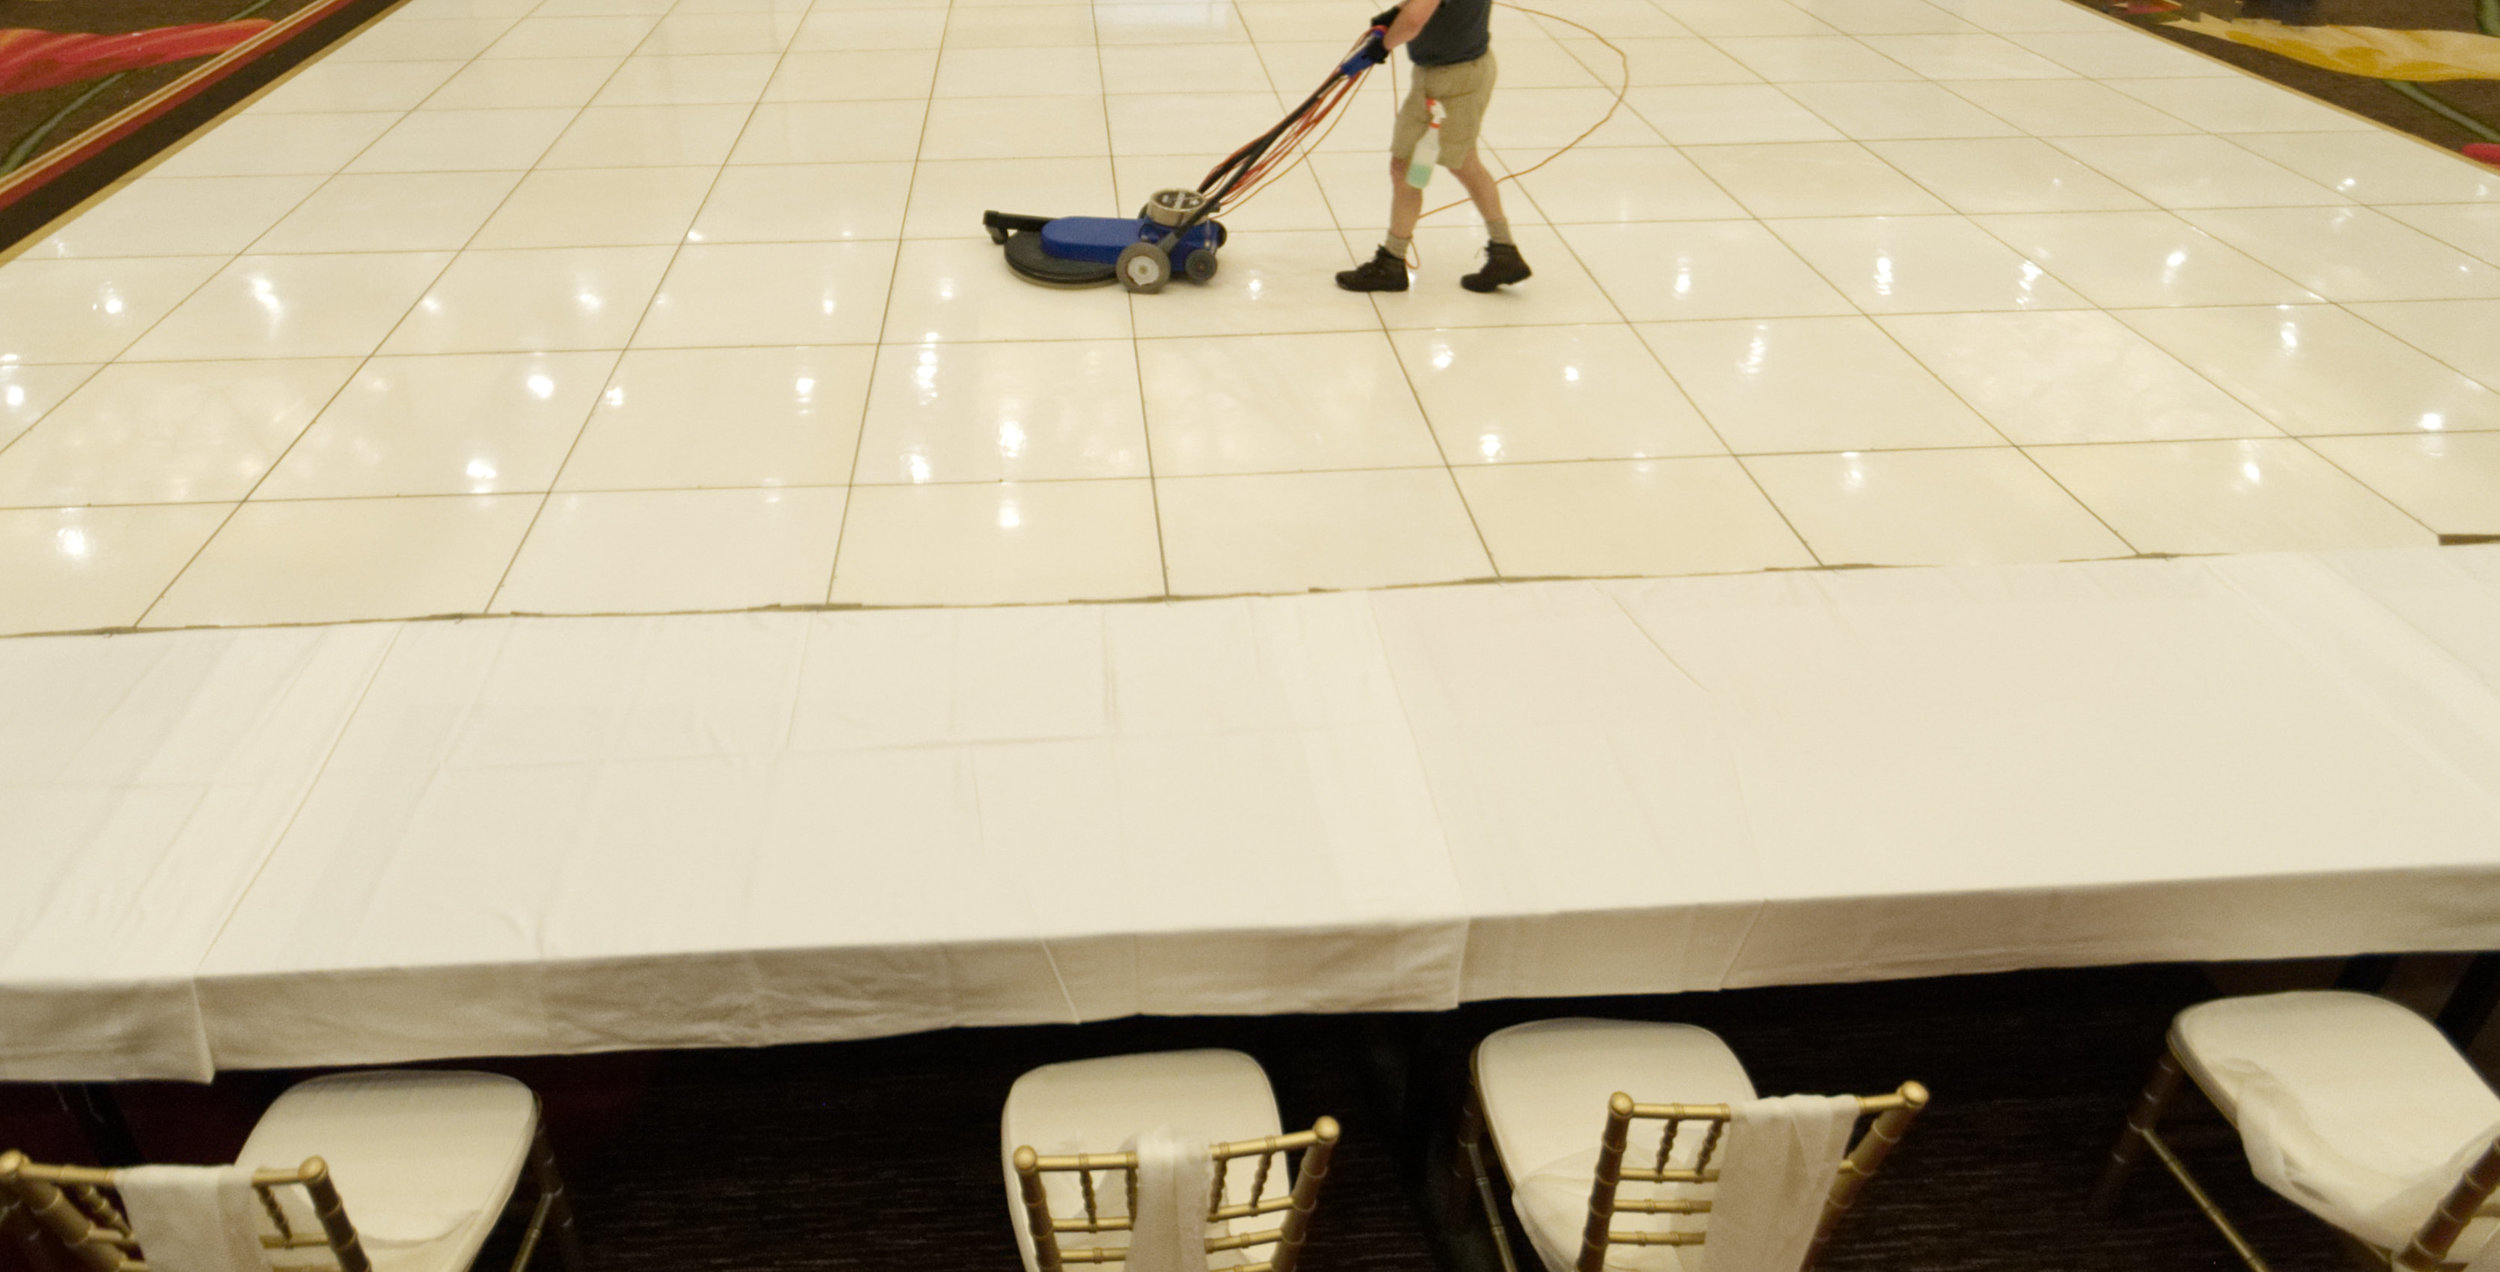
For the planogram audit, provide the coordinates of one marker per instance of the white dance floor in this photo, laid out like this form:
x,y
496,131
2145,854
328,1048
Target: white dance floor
x,y
379,842
658,306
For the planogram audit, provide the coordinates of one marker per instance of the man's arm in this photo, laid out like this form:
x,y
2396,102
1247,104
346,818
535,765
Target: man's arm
x,y
1412,16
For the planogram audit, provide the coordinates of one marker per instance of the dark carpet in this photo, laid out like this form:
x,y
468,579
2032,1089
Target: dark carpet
x,y
884,1154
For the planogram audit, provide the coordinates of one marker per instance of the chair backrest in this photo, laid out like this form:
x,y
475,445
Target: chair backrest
x,y
2468,1200
76,1204
1892,1116
1295,1205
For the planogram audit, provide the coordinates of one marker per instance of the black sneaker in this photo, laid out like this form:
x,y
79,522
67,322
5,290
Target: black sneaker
x,y
1382,272
1501,266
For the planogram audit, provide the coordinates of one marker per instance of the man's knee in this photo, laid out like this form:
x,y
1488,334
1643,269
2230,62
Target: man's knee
x,y
1397,168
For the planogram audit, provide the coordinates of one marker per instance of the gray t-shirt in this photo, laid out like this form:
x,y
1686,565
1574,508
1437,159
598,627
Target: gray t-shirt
x,y
1460,31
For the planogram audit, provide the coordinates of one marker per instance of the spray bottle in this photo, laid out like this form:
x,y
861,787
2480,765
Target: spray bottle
x,y
1427,151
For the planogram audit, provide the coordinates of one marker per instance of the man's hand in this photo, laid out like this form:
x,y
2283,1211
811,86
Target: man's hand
x,y
1370,53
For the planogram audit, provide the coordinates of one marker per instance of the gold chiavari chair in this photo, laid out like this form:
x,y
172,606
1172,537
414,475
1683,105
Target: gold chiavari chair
x,y
1538,1087
2421,1099
396,1147
1258,1209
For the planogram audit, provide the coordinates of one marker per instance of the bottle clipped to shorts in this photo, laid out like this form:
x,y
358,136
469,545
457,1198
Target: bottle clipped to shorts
x,y
1427,151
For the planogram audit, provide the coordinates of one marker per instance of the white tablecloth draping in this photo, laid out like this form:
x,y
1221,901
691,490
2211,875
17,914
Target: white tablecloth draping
x,y
388,842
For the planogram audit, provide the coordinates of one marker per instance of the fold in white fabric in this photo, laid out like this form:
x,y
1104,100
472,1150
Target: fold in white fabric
x,y
1781,1159
194,1218
1175,1176
2381,1198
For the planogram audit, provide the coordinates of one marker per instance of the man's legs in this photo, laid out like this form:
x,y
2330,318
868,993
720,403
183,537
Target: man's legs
x,y
1386,270
1502,262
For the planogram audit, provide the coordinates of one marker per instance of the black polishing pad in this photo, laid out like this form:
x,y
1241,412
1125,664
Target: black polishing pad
x,y
1026,257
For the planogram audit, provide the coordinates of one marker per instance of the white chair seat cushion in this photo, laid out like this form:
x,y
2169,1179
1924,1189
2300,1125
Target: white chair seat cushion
x,y
1098,1106
424,1161
1544,1088
2350,1105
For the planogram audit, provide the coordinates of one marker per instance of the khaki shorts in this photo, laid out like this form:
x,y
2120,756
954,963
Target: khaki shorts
x,y
1463,91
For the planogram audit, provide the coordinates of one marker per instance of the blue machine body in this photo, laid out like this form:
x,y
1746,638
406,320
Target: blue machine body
x,y
1103,238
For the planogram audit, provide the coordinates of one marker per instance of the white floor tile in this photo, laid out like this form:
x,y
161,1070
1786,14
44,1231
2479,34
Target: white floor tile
x,y
392,212
497,83
598,207
1170,125
1702,269
961,289
1825,178
865,29
1295,200
2023,15
464,424
1266,404
2077,376
1813,384
327,561
177,216
1022,26
1549,393
2351,253
2451,484
831,132
1923,264
189,432
1785,59
1118,26
1658,61
2457,332
1270,282
77,569
1707,114
91,310
464,141
841,75
1317,531
293,307
1972,56
273,145
949,196
2197,172
1183,68
1932,507
2239,104
2318,369
399,38
2472,226
608,35
1653,516
2376,166
688,80
1033,411
770,294
1537,121
346,87
2074,108
696,418
533,300
1019,72
2141,260
1716,18
2246,496
27,393
1871,112
999,544
697,34
664,551
1625,185
2115,54
2012,174
647,137
1018,128
785,203
1886,17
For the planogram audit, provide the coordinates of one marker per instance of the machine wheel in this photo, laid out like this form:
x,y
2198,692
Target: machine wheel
x,y
1143,267
1199,265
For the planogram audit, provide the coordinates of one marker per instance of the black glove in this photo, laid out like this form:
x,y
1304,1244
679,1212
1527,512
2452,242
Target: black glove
x,y
1385,17
1372,52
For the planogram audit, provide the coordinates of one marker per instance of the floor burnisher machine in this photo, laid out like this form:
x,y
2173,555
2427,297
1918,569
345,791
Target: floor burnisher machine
x,y
1177,228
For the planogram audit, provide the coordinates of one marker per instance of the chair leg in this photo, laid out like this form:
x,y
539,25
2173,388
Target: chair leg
x,y
1471,1161
2159,1092
553,1216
